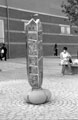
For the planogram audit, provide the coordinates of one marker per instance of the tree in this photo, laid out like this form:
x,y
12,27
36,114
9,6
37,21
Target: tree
x,y
70,9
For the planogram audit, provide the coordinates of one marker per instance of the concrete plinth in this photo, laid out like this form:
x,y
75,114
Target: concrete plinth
x,y
38,96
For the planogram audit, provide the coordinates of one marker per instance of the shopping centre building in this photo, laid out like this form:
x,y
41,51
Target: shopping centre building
x,y
14,15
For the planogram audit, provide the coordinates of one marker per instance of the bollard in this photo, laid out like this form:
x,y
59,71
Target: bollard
x,y
37,95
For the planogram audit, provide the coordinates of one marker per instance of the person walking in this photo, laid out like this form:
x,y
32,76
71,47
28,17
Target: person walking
x,y
3,52
55,50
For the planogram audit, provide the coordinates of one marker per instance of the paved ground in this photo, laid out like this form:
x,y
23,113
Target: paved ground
x,y
14,86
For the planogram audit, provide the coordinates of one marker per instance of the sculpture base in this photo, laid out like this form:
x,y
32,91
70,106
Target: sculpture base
x,y
38,96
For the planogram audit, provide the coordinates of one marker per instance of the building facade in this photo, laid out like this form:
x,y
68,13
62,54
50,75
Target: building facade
x,y
14,14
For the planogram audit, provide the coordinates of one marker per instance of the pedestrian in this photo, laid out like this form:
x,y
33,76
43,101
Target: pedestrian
x,y
3,52
65,60
55,50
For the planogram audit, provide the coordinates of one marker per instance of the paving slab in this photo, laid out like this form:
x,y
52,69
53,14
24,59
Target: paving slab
x,y
14,87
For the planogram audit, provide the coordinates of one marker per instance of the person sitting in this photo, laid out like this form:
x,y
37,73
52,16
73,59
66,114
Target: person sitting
x,y
65,60
3,52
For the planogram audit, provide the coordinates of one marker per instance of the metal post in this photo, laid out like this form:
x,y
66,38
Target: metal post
x,y
77,54
8,36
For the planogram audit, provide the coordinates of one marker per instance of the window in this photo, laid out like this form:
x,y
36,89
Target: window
x,y
1,31
65,29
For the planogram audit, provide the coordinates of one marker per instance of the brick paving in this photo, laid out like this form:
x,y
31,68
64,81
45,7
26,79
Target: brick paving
x,y
14,87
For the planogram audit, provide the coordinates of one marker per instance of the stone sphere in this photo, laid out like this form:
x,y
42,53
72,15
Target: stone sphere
x,y
38,96
48,94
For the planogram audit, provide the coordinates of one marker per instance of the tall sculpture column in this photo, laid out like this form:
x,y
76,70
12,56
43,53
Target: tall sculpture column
x,y
37,95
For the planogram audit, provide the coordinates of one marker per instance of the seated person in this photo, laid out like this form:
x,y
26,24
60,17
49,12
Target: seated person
x,y
65,60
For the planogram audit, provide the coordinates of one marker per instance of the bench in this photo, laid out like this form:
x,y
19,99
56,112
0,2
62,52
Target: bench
x,y
74,69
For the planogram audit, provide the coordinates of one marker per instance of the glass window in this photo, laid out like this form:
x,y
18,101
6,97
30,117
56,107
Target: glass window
x,y
65,29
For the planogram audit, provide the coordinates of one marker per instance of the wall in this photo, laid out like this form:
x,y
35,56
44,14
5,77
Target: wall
x,y
45,6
